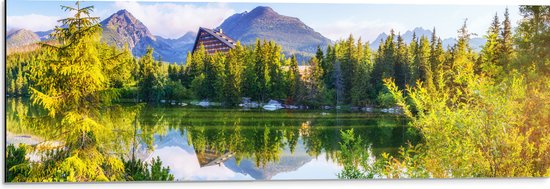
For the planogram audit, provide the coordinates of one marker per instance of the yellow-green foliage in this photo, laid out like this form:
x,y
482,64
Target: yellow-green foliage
x,y
484,124
70,83
489,130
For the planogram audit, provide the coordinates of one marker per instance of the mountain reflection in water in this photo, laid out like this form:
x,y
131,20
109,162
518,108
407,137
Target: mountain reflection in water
x,y
231,144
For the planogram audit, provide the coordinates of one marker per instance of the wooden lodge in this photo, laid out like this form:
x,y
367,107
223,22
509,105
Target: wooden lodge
x,y
210,156
213,41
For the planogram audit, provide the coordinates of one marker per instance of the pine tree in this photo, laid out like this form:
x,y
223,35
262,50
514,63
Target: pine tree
x,y
219,78
117,65
329,61
151,81
313,82
506,50
70,86
233,71
319,55
188,70
249,85
489,54
422,59
414,67
348,58
533,37
462,61
401,64
294,79
261,70
276,75
437,58
194,65
361,91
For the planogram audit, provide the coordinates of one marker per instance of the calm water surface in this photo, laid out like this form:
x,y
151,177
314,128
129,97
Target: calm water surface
x,y
227,144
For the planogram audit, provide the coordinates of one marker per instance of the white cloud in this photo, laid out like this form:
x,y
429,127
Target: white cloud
x,y
367,30
33,22
185,166
174,20
318,168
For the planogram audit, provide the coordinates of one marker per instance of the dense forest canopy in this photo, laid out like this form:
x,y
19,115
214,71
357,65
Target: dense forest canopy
x,y
480,114
349,72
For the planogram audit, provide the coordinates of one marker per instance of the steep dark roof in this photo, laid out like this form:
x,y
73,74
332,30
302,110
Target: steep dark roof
x,y
230,42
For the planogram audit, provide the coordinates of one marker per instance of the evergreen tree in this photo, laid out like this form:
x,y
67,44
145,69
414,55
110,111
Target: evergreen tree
x,y
294,78
506,50
437,58
533,37
323,65
361,91
462,60
329,61
314,83
277,81
117,65
233,71
218,77
194,65
490,52
401,64
348,59
152,80
261,70
414,67
422,59
70,86
249,86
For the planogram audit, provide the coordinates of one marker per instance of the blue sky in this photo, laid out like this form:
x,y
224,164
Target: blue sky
x,y
335,21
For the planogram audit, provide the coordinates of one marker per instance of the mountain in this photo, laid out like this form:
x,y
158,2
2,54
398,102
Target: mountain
x,y
287,162
187,38
123,28
293,35
44,35
475,43
407,36
264,23
20,38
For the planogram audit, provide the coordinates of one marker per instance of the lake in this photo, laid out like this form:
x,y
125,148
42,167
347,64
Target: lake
x,y
226,144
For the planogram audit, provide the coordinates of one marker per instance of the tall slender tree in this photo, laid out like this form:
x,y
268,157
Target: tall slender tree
x,y
488,61
71,86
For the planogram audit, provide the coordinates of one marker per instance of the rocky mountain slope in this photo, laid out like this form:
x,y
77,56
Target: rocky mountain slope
x,y
20,38
264,23
123,28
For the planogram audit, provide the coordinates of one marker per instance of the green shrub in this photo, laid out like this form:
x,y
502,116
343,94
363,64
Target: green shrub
x,y
17,166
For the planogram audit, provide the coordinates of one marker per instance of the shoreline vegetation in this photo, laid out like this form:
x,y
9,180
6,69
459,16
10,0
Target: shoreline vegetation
x,y
480,114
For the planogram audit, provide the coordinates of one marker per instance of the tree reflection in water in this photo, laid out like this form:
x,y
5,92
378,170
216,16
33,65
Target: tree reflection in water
x,y
220,134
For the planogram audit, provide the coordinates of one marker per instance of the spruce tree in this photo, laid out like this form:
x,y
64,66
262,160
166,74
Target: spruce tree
x,y
412,57
422,59
401,65
70,85
233,72
506,49
294,79
361,90
490,53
